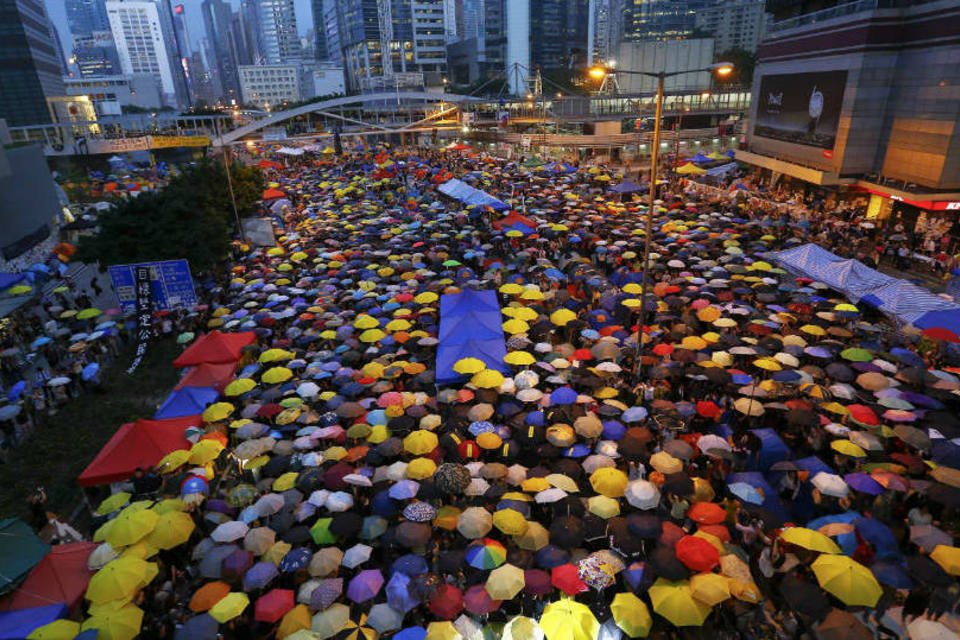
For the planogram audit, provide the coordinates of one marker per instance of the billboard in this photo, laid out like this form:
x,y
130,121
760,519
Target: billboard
x,y
803,108
171,285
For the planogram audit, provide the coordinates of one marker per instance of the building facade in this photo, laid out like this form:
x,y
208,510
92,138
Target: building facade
x,y
109,94
86,16
143,32
736,24
218,26
95,54
660,19
863,95
279,40
271,85
30,69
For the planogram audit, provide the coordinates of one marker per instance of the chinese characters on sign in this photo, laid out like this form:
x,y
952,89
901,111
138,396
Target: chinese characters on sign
x,y
144,330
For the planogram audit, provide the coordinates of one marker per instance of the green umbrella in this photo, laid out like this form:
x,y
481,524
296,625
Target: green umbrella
x,y
320,531
856,354
185,337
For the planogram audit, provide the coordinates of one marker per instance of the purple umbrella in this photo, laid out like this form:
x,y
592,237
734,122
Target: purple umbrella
x,y
236,564
259,576
399,593
478,602
864,483
365,585
537,582
326,593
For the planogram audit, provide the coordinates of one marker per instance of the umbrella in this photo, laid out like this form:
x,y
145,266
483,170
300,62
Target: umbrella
x,y
446,602
848,580
231,606
674,601
115,623
631,615
365,585
505,582
567,619
843,625
273,606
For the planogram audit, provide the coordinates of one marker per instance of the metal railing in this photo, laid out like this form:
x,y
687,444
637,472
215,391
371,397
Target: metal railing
x,y
839,11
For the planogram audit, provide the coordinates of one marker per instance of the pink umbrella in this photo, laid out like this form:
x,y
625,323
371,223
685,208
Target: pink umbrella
x,y
478,602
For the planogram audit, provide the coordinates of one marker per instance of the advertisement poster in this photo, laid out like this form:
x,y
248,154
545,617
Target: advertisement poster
x,y
803,108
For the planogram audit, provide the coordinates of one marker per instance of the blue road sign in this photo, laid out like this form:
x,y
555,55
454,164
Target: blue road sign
x,y
170,282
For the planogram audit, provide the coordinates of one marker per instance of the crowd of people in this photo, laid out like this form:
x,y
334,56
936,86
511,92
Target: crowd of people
x,y
770,461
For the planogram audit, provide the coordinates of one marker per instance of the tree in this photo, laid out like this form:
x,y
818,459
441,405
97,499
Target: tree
x,y
744,63
191,218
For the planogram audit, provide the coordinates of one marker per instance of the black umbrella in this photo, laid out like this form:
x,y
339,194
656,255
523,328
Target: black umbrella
x,y
276,467
346,524
296,535
451,478
804,598
645,525
678,483
926,571
567,532
664,562
413,534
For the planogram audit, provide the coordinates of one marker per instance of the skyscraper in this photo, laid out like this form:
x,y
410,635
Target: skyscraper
x,y
217,22
320,50
735,24
96,55
660,19
144,35
182,41
86,16
30,70
280,41
249,33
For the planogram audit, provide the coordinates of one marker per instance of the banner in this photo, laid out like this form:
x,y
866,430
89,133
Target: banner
x,y
142,291
166,142
803,108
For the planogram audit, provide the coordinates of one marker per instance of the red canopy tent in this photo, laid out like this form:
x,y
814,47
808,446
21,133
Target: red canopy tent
x,y
273,194
511,219
208,374
215,348
61,576
269,164
137,444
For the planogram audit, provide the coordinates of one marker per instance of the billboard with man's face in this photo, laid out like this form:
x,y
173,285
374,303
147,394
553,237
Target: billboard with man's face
x,y
803,108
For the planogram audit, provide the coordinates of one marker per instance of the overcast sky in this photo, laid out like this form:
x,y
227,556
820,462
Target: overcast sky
x,y
58,14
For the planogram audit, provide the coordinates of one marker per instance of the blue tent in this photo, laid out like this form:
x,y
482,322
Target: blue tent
x,y
627,186
459,190
17,625
469,328
772,448
701,159
7,280
20,552
188,401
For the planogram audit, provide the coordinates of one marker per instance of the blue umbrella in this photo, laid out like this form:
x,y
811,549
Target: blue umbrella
x,y
16,390
400,594
403,490
563,396
634,414
411,633
295,560
201,627
259,575
551,556
879,535
365,585
39,342
90,371
746,492
409,564
892,574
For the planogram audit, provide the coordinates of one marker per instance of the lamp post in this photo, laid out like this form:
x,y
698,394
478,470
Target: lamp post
x,y
720,69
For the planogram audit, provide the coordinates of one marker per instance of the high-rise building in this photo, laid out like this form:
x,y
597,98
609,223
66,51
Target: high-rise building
x,y
30,69
95,55
320,49
248,32
181,35
279,40
735,24
661,19
144,35
86,16
329,17
558,33
218,26
413,33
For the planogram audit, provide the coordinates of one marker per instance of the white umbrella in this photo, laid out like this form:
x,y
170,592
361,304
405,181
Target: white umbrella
x,y
339,501
516,474
357,479
830,484
550,495
230,531
596,461
642,494
384,618
318,497
477,487
308,390
711,442
923,629
356,555
269,504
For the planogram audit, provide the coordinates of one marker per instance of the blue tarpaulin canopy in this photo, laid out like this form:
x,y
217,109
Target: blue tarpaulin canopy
x,y
187,401
469,328
7,280
900,299
459,190
18,624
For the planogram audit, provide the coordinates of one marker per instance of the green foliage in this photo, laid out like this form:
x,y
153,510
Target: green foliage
x,y
744,63
191,218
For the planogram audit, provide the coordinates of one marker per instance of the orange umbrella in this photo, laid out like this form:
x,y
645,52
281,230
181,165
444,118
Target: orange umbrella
x,y
208,595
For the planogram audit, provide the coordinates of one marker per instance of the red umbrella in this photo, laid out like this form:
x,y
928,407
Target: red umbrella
x,y
863,414
708,409
272,606
670,534
566,577
446,603
663,349
269,410
716,530
478,602
582,354
697,554
707,513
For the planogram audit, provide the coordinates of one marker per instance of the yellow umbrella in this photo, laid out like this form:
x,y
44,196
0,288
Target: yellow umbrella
x,y
948,558
286,481
848,448
710,588
56,630
426,297
510,522
848,580
665,463
365,321
632,288
609,482
205,451
173,529
277,375
275,355
562,316
217,412
420,442
630,613
749,406
505,582
398,325
169,504
120,579
446,517
239,387
113,503
674,601
522,313
469,366
130,526
487,379
531,294
231,606
421,468
519,358
372,335
442,630
514,326
568,619
536,537
767,364
813,330
522,628
20,289
511,289
809,539
121,623
297,619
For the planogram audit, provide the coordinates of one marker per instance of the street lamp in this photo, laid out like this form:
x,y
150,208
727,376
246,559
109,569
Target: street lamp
x,y
719,69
